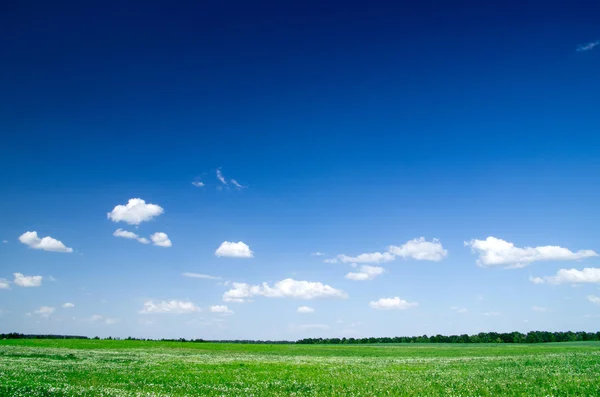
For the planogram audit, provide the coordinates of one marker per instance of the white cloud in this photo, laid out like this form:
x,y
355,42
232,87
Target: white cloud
x,y
198,184
305,309
588,46
589,275
4,241
130,235
32,240
220,177
68,305
594,299
160,239
392,304
221,309
317,253
420,249
236,184
460,310
538,309
135,212
172,306
497,252
331,260
288,288
492,314
4,283
97,318
27,281
366,272
373,257
44,311
198,275
234,250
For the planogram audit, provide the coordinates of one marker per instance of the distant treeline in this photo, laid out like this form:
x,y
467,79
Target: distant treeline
x,y
482,337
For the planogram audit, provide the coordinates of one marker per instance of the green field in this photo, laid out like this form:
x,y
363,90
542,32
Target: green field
x,y
135,368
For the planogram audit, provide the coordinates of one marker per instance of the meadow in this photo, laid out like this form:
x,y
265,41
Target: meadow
x,y
138,368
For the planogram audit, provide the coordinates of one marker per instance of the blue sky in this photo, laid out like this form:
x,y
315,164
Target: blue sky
x,y
458,143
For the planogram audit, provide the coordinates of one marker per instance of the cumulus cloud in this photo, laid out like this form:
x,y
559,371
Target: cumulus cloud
x,y
130,235
317,253
32,240
220,177
97,318
366,272
44,311
221,309
373,257
160,239
588,46
198,275
497,252
172,306
392,304
305,309
198,184
234,250
288,288
68,305
589,275
27,281
420,249
135,212
4,283
594,299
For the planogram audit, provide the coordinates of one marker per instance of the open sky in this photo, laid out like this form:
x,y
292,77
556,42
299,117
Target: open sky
x,y
288,169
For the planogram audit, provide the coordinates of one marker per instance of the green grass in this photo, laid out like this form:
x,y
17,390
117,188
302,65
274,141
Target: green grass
x,y
133,368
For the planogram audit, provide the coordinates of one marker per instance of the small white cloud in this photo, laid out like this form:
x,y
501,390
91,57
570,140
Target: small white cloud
x,y
492,314
161,239
135,212
373,257
97,318
588,46
236,184
496,252
4,283
221,309
44,311
589,275
366,272
198,184
317,253
4,241
198,275
27,281
305,309
392,304
68,305
288,288
32,240
459,310
594,299
130,235
172,306
538,309
330,260
220,177
420,249
234,250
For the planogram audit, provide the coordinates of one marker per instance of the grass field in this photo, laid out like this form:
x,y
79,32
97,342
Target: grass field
x,y
134,368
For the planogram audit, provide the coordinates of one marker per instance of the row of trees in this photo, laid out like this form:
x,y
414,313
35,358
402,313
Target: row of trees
x,y
482,337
